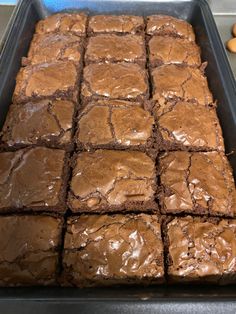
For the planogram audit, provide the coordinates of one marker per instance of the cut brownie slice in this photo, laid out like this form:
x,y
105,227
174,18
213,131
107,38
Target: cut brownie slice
x,y
116,81
116,24
178,82
33,179
29,250
197,183
115,48
54,80
44,122
115,124
168,50
187,126
109,250
201,250
169,25
108,180
63,22
52,47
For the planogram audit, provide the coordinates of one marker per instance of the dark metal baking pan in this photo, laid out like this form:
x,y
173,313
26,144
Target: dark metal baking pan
x,y
162,299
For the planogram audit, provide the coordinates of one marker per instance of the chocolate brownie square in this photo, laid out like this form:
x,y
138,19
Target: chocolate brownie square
x,y
54,80
52,47
33,179
116,249
63,22
109,180
201,250
116,48
169,50
116,24
125,81
169,25
46,122
197,183
172,82
29,250
115,124
187,126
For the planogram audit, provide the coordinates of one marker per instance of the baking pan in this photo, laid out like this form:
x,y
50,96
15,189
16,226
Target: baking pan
x,y
161,299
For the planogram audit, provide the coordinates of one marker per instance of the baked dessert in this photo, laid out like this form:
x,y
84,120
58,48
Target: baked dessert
x,y
116,24
172,82
116,48
187,126
45,122
51,47
197,183
115,124
47,80
169,25
29,250
123,81
109,180
33,179
201,250
173,50
63,22
118,249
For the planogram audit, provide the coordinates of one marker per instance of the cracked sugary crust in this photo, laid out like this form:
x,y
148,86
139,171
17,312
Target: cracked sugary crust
x,y
43,123
115,48
119,249
197,183
96,180
200,250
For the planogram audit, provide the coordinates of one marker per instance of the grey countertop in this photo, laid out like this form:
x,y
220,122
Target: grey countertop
x,y
224,14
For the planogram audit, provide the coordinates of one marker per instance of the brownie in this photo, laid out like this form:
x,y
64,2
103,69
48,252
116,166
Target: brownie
x,y
116,24
52,47
115,81
109,180
197,183
168,50
178,82
169,25
29,250
63,22
33,179
188,126
45,122
116,48
53,80
115,124
117,249
201,250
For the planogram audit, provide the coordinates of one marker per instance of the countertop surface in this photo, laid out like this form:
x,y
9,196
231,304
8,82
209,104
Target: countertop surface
x,y
224,13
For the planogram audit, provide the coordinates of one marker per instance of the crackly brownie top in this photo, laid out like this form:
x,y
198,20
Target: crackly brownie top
x,y
54,46
63,22
172,81
169,25
189,124
113,247
120,80
167,50
113,177
31,177
113,47
44,80
114,122
46,120
117,24
199,248
197,182
28,249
